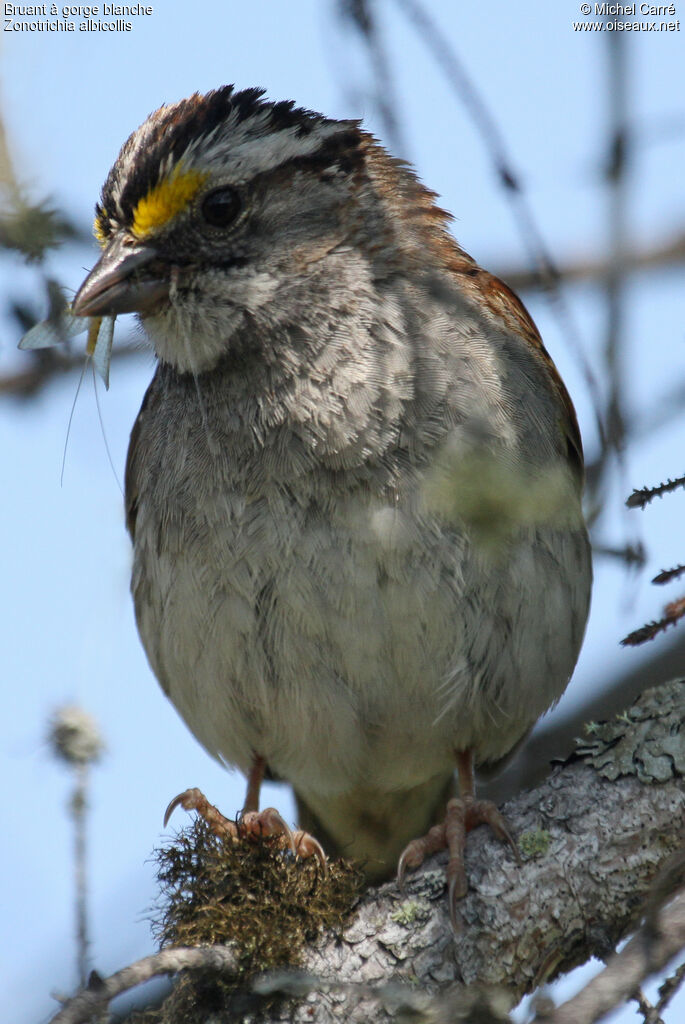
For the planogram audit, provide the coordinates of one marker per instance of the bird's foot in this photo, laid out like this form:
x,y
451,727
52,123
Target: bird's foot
x,y
250,824
270,823
463,814
195,800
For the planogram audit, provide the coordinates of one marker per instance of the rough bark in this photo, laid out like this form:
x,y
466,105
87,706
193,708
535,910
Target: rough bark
x,y
607,841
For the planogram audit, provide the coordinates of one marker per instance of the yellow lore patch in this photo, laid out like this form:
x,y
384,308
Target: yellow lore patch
x,y
165,200
99,231
159,206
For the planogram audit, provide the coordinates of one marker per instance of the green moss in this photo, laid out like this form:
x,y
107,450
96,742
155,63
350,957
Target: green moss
x,y
406,913
250,894
535,843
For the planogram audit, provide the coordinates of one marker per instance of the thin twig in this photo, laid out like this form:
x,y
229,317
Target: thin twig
x,y
616,173
46,364
76,741
670,987
668,575
645,955
631,554
648,1011
538,251
359,14
642,497
673,612
79,809
101,991
664,252
617,180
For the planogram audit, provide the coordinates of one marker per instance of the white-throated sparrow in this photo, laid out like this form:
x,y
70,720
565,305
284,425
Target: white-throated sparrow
x,y
354,485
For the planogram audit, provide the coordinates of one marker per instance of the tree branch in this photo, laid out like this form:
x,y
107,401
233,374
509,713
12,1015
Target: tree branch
x,y
668,252
594,835
556,740
645,954
95,998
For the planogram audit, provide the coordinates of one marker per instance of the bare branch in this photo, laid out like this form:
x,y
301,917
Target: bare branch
x,y
673,612
667,575
631,555
96,997
647,953
617,166
46,364
670,987
646,1009
642,497
668,252
359,13
556,740
493,139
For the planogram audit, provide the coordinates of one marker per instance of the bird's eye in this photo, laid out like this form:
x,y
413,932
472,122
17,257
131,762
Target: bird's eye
x,y
221,207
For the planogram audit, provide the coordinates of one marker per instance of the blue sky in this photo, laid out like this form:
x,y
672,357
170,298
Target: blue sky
x,y
69,101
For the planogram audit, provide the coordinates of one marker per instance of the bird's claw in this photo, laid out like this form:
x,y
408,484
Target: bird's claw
x,y
266,823
194,800
307,846
250,824
462,815
417,850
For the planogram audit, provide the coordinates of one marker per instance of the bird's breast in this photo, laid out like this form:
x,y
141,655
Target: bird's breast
x,y
342,635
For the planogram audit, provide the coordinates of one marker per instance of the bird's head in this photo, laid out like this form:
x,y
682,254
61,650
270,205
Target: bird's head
x,y
217,208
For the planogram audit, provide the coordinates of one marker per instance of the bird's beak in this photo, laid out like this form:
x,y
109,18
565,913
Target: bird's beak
x,y
123,281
